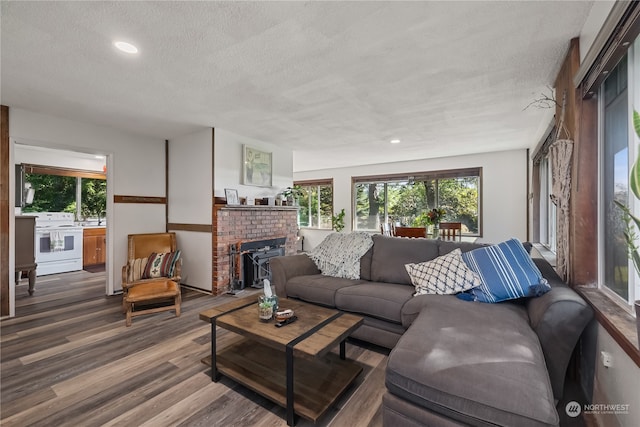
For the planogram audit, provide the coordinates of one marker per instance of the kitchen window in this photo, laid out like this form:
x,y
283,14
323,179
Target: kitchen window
x,y
83,193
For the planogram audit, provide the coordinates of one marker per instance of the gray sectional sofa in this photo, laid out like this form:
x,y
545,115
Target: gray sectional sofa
x,y
453,362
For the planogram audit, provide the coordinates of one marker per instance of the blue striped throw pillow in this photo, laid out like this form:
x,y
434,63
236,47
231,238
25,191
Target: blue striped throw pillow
x,y
507,272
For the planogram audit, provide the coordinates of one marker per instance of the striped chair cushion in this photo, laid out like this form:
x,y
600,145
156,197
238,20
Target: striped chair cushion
x,y
136,269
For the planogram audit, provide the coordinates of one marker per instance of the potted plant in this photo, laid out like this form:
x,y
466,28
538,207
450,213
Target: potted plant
x,y
630,234
265,308
337,221
291,194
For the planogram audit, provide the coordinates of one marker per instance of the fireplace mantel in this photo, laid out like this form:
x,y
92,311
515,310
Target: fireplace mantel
x,y
256,207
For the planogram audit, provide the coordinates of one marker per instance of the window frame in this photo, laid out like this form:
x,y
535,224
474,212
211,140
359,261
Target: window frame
x,y
633,82
326,182
78,174
548,211
417,176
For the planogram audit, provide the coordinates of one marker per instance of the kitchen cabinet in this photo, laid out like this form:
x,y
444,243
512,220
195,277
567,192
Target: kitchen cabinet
x,y
25,249
94,246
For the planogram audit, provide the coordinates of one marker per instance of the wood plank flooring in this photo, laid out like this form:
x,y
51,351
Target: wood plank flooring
x,y
67,359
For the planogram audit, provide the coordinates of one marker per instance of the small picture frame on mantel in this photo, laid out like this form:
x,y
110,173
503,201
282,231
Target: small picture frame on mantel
x,y
231,194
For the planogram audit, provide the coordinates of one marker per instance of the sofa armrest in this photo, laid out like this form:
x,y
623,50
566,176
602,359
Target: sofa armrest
x,y
558,318
284,268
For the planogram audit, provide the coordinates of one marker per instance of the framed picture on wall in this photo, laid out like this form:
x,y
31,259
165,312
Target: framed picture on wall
x,y
232,196
256,167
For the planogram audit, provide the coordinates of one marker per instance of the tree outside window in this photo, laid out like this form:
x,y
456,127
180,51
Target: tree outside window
x,y
315,204
405,200
58,193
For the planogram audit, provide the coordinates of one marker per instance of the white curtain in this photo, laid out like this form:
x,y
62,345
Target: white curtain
x,y
560,154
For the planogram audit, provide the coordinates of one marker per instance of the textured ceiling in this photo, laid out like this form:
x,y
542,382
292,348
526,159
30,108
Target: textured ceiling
x,y
334,81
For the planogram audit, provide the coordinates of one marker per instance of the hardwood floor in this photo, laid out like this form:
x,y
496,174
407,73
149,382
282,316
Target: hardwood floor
x,y
67,359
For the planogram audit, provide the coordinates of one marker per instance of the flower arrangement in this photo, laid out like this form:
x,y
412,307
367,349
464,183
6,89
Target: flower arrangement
x,y
435,215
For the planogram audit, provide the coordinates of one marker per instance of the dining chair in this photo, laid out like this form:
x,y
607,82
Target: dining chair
x,y
451,230
411,232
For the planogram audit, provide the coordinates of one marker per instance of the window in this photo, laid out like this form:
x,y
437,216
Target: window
x,y
56,190
316,203
547,208
405,199
617,154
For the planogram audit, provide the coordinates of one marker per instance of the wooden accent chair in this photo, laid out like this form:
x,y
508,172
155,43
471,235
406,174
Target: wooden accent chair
x,y
411,232
149,291
451,230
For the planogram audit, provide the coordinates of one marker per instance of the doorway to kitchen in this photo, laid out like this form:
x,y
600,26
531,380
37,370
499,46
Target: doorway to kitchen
x,y
66,192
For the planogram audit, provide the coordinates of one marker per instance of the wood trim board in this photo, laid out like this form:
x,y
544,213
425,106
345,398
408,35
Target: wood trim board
x,y
52,170
617,322
202,228
139,199
4,211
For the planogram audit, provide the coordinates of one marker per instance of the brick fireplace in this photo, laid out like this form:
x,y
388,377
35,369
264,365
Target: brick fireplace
x,y
241,224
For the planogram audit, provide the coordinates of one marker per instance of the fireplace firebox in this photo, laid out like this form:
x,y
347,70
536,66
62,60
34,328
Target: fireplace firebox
x,y
250,262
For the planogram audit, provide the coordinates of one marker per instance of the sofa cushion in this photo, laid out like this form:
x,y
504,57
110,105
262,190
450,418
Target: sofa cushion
x,y
379,332
473,367
390,254
448,274
381,300
317,288
507,272
446,246
365,265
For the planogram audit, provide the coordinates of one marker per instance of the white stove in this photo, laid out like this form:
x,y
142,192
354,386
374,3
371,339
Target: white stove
x,y
58,243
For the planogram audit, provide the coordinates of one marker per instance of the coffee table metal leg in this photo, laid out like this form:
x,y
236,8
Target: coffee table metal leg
x,y
214,367
290,412
343,349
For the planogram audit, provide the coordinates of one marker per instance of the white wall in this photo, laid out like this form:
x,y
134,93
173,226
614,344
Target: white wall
x,y
504,195
617,384
135,166
228,165
58,158
190,202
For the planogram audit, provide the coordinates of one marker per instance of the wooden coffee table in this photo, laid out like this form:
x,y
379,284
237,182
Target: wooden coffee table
x,y
292,366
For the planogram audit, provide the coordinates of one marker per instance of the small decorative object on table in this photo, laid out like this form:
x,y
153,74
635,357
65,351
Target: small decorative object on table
x,y
265,309
283,315
267,303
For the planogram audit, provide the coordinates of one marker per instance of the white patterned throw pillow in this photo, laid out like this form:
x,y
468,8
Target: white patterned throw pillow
x,y
445,275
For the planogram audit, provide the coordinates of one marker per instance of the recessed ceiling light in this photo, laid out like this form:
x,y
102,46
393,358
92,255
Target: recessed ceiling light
x,y
395,141
126,47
